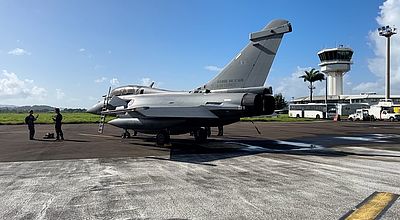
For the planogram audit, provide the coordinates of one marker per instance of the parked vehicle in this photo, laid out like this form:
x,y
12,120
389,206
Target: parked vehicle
x,y
384,110
360,115
312,110
383,113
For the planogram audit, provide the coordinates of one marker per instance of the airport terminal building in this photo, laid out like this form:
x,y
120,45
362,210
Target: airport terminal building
x,y
335,63
367,98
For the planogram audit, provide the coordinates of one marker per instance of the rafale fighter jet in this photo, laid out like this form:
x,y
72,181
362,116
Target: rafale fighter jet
x,y
237,91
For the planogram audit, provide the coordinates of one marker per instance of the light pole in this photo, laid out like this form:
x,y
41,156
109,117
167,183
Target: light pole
x,y
387,32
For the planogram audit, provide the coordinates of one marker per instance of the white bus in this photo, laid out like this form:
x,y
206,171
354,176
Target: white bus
x,y
312,110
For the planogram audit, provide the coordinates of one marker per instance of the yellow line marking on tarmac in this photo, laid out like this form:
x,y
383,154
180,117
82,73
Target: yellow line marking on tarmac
x,y
373,207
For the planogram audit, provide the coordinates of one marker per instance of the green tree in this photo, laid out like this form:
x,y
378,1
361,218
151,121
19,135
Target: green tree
x,y
311,77
280,101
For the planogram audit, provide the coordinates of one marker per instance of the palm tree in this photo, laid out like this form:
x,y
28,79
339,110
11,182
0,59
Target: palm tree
x,y
312,76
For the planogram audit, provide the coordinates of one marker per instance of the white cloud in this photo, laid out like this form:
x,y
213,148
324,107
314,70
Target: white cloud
x,y
368,87
114,82
100,80
213,68
84,52
91,98
11,87
59,94
38,92
18,52
294,86
146,81
389,15
29,80
97,67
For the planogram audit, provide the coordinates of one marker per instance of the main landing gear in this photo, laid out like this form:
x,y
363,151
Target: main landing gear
x,y
163,138
126,134
200,135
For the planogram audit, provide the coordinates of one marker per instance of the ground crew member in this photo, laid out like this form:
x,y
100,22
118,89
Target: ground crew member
x,y
57,119
30,121
220,130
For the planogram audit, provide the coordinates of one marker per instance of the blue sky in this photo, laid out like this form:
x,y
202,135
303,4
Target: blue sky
x,y
67,53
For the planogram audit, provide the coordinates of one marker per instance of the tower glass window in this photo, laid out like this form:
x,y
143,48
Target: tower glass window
x,y
332,55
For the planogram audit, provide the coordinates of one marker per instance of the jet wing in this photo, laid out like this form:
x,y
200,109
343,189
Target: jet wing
x,y
198,112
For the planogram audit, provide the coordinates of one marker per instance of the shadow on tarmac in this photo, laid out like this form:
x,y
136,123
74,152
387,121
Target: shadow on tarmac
x,y
190,152
66,140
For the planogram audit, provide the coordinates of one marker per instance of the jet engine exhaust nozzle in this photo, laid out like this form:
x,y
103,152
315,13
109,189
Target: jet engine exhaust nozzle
x,y
257,104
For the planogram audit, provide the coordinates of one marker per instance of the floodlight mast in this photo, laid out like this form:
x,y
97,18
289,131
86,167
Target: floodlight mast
x,y
387,32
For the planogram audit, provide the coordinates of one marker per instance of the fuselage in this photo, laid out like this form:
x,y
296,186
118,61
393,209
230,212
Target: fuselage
x,y
181,112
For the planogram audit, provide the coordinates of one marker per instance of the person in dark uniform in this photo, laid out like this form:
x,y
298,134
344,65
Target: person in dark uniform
x,y
220,130
57,119
30,121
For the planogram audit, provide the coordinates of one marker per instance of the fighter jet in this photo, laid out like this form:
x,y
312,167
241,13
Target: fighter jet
x,y
237,91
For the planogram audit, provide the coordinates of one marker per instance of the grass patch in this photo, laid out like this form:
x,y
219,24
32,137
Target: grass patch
x,y
46,118
277,118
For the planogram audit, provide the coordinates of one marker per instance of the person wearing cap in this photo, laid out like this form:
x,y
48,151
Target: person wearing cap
x,y
57,119
30,121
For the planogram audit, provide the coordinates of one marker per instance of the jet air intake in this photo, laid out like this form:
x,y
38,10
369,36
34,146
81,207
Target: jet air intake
x,y
257,104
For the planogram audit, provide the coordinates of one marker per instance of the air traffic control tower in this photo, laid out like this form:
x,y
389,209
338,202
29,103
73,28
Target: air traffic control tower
x,y
335,62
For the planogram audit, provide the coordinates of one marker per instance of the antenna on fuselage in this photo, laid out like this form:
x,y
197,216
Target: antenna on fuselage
x,y
151,84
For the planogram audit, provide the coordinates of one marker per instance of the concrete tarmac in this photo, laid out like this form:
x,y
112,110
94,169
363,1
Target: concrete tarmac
x,y
308,170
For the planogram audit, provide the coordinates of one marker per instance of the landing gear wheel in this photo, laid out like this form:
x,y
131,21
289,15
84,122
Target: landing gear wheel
x,y
200,135
162,138
126,134
134,133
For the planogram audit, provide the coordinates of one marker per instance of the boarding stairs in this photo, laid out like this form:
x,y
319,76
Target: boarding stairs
x,y
103,116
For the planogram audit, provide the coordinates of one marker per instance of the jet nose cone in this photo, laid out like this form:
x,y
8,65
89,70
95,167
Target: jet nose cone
x,y
96,109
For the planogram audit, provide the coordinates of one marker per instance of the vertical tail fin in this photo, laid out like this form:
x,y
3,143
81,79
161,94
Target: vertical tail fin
x,y
251,66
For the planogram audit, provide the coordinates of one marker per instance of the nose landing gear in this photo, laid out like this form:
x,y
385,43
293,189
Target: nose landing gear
x,y
126,134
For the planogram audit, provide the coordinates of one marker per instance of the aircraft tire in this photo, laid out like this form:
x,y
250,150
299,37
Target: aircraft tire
x,y
200,135
126,134
162,138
